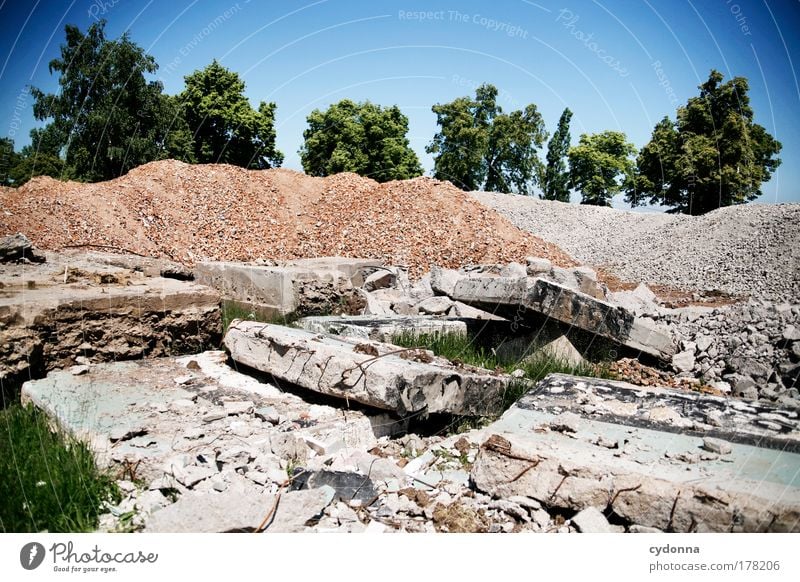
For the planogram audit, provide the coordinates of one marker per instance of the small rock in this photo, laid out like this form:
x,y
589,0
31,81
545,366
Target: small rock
x,y
683,361
536,266
379,280
268,414
718,446
566,422
791,333
435,305
212,416
591,520
79,370
238,407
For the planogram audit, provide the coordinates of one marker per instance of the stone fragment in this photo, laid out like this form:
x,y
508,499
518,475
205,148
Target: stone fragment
x,y
683,361
435,305
381,279
443,280
563,350
537,266
231,510
591,520
717,446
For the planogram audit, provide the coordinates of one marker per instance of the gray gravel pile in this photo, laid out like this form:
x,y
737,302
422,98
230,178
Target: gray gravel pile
x,y
750,349
750,250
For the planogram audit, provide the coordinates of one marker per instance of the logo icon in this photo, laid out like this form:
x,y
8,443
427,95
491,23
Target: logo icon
x,y
31,555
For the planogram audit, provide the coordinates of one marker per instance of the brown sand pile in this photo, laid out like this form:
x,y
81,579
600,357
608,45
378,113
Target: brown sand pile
x,y
189,213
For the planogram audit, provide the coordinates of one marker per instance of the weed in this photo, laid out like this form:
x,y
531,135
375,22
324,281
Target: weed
x,y
48,482
465,349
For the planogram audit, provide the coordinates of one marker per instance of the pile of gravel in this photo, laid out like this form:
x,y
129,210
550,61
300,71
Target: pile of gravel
x,y
752,249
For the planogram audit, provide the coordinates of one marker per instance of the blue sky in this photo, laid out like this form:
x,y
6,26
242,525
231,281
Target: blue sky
x,y
618,64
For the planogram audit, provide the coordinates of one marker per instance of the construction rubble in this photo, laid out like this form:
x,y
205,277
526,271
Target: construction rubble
x,y
304,415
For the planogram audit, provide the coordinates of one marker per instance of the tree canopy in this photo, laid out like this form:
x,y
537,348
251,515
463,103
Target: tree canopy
x,y
106,118
712,155
225,128
555,181
359,137
600,165
479,146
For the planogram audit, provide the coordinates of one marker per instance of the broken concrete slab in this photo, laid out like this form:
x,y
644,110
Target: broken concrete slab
x,y
521,296
71,307
659,474
123,411
17,247
304,286
381,329
228,511
371,373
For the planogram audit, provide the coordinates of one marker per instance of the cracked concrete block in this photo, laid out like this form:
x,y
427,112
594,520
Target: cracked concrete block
x,y
514,297
370,373
755,488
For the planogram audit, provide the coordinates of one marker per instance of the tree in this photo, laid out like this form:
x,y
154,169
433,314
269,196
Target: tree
x,y
555,181
8,160
713,155
106,118
479,146
597,163
225,128
359,137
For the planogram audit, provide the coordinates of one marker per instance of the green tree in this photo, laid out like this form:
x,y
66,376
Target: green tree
x,y
106,118
226,129
479,146
600,165
555,181
713,155
359,137
8,160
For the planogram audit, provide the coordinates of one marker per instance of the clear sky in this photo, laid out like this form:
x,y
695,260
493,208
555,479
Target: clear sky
x,y
618,64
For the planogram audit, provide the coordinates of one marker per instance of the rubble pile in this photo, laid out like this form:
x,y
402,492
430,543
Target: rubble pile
x,y
189,213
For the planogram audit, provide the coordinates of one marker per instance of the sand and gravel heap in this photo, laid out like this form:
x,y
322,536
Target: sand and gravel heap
x,y
189,213
752,249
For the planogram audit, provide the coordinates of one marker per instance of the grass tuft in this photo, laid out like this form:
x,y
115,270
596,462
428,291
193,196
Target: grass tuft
x,y
463,348
48,482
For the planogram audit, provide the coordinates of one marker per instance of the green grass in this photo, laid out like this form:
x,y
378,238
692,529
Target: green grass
x,y
47,481
463,348
234,310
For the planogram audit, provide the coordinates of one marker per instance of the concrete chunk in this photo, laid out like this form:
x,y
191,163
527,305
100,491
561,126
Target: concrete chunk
x,y
660,478
514,296
367,373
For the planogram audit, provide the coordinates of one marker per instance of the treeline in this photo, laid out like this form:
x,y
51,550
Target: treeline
x,y
107,119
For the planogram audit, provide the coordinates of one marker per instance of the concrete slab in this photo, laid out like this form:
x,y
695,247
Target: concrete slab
x,y
139,412
639,453
371,373
530,297
303,286
73,306
381,329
